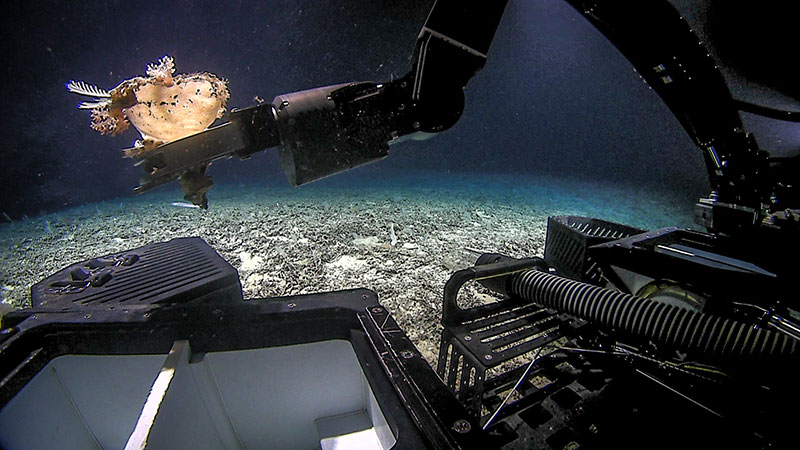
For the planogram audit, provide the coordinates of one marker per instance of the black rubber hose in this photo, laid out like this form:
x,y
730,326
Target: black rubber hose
x,y
670,325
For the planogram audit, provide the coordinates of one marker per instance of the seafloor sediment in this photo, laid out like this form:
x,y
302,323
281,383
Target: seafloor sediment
x,y
402,241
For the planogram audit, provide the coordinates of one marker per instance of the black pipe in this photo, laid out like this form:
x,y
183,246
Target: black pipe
x,y
680,328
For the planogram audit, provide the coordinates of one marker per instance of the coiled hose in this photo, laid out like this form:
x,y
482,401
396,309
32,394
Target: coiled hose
x,y
670,325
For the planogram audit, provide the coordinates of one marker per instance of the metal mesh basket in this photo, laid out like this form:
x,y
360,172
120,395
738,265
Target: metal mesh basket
x,y
568,238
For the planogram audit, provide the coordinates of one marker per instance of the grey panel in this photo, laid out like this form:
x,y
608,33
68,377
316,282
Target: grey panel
x,y
183,421
274,395
42,416
109,391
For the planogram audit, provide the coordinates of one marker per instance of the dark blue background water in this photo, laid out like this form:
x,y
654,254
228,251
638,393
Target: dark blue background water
x,y
555,98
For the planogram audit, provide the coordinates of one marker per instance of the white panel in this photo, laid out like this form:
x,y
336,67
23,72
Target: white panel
x,y
382,429
361,440
262,398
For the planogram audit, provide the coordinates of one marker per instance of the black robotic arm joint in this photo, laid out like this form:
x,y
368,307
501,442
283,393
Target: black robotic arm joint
x,y
451,48
330,129
440,73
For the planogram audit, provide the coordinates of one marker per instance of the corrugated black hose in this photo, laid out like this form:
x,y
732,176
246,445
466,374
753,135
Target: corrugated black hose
x,y
680,328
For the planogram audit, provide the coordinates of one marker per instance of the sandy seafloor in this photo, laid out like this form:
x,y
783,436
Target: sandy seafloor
x,y
400,237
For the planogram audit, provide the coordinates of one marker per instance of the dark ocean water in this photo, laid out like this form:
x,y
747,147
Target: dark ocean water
x,y
556,99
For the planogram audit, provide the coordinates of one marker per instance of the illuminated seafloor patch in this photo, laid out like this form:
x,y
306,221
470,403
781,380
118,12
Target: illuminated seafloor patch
x,y
401,238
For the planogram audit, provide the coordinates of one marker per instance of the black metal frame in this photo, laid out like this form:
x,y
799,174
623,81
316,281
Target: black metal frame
x,y
477,339
598,385
673,61
419,408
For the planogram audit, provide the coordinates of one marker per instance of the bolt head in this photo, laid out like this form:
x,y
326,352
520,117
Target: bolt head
x,y
461,426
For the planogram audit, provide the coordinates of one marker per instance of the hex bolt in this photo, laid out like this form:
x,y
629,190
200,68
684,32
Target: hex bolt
x,y
87,316
377,310
467,338
291,305
461,426
488,357
407,354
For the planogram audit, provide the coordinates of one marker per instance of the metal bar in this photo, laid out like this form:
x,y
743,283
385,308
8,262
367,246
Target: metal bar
x,y
507,316
138,439
516,386
515,325
521,335
526,347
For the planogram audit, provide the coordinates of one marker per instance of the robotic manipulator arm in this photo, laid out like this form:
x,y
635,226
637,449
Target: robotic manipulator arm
x,y
323,131
327,130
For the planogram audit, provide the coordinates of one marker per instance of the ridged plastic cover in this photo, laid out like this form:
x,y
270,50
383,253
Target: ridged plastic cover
x,y
181,270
